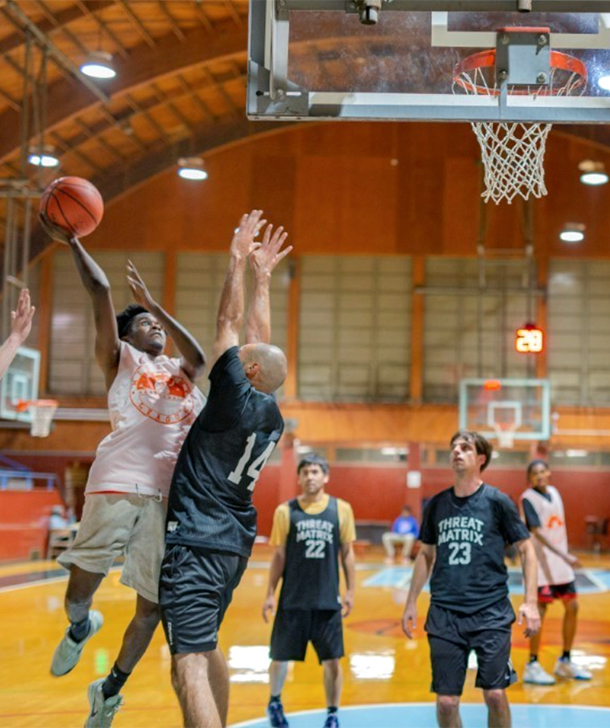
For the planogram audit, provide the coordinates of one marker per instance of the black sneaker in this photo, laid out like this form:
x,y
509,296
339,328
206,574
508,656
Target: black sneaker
x,y
275,713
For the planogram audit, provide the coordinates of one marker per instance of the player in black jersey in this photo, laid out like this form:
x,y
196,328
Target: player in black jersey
x,y
211,522
464,531
310,534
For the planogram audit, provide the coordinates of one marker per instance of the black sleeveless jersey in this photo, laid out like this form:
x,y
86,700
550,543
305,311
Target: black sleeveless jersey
x,y
210,500
311,571
470,534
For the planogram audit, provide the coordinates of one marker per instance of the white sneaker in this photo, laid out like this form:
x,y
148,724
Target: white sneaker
x,y
103,709
68,651
535,674
567,668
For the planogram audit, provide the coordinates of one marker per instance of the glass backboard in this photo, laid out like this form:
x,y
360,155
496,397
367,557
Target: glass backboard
x,y
20,384
315,59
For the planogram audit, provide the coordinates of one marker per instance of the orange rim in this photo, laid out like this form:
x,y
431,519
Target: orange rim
x,y
487,59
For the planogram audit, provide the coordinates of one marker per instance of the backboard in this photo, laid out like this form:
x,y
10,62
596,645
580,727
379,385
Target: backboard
x,y
316,59
19,384
494,407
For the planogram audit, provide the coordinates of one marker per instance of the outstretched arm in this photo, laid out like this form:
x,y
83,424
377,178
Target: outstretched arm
x,y
21,325
193,358
263,261
565,555
231,307
107,344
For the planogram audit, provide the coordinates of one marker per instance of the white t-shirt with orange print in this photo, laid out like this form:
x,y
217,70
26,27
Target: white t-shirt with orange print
x,y
152,405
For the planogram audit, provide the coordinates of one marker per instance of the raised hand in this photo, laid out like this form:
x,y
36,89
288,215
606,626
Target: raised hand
x,y
250,226
54,231
21,318
138,288
265,258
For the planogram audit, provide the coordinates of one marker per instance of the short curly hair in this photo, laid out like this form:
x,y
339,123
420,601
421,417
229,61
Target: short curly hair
x,y
126,316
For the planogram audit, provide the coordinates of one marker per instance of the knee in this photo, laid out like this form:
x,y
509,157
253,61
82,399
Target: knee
x,y
494,698
333,667
447,704
572,606
148,614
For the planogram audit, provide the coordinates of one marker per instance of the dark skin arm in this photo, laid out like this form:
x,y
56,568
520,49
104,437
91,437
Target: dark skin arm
x,y
107,344
193,358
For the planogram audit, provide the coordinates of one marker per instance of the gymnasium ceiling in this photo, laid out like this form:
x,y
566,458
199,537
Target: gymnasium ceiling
x,y
179,91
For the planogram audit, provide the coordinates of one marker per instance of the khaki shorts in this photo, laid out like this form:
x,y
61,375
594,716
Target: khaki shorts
x,y
116,524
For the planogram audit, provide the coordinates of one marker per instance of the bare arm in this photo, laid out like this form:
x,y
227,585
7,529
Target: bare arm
x,y
21,325
263,261
348,562
529,608
421,571
276,570
566,556
193,358
231,306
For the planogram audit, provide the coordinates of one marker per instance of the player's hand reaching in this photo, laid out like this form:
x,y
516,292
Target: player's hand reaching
x,y
250,226
138,288
348,603
532,619
21,318
409,620
54,231
572,560
265,258
269,607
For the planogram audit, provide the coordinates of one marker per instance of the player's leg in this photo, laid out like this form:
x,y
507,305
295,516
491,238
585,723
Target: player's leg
x,y
498,709
449,659
143,555
101,537
191,681
289,638
218,674
534,673
327,640
565,667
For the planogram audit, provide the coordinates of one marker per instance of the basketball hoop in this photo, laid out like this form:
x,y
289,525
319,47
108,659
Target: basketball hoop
x,y
505,432
513,152
42,411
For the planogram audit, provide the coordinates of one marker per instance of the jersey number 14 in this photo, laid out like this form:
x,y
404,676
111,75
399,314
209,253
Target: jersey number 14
x,y
254,468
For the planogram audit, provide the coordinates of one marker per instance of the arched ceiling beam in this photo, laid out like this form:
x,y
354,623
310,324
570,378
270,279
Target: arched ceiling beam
x,y
66,99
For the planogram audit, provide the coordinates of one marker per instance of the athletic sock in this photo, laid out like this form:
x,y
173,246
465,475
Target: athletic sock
x,y
332,709
565,655
533,658
114,682
79,630
275,698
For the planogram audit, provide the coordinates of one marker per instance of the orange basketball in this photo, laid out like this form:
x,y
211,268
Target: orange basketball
x,y
73,204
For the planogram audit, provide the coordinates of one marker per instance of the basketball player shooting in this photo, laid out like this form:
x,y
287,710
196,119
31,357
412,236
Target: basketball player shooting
x,y
152,403
211,522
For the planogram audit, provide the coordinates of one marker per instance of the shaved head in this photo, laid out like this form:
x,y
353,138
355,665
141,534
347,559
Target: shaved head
x,y
265,366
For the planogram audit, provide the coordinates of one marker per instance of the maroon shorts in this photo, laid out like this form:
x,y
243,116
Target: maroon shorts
x,y
565,592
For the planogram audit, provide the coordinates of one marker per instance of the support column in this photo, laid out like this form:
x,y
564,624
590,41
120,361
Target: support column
x,y
44,313
169,291
292,333
542,316
417,330
414,495
287,486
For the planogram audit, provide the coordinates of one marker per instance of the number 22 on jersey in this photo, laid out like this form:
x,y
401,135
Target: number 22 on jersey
x,y
254,468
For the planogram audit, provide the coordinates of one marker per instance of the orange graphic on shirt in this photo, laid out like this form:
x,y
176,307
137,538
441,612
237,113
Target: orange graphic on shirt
x,y
163,397
554,522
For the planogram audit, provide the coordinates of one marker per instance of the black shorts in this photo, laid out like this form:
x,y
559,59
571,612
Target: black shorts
x,y
195,589
293,629
452,635
565,592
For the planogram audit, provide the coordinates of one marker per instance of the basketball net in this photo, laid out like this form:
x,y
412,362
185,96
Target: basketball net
x,y
513,153
505,432
42,411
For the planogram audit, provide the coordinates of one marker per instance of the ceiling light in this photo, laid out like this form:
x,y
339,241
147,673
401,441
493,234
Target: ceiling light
x,y
191,168
44,157
604,82
98,65
573,232
593,173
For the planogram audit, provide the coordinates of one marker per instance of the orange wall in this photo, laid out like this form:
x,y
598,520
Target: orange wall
x,y
24,518
361,188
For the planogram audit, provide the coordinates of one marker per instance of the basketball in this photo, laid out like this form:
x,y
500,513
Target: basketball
x,y
73,204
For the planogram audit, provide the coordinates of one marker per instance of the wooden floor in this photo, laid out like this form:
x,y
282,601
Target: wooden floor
x,y
381,666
